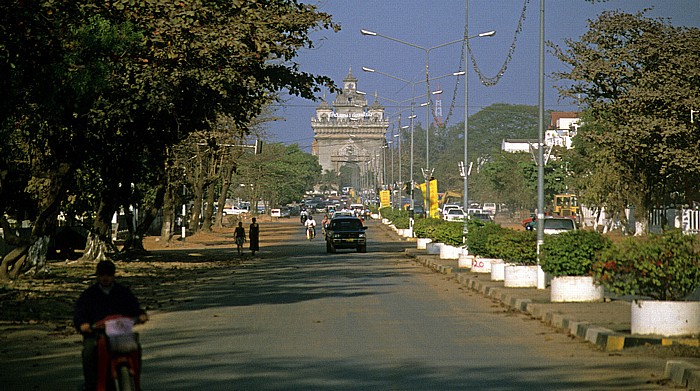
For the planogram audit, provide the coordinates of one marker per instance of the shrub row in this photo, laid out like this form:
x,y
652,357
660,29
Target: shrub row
x,y
662,267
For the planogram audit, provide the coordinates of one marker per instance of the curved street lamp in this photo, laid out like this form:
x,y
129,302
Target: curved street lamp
x,y
427,79
413,116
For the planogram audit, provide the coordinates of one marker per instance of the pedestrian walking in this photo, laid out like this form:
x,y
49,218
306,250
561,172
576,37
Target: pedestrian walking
x,y
239,237
254,235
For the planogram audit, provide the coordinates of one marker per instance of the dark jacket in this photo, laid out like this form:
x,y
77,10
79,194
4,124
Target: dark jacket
x,y
94,305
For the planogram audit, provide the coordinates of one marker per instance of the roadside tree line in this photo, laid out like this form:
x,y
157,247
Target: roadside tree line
x,y
100,96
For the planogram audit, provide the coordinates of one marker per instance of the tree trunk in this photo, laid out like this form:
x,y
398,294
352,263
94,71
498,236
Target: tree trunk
x,y
197,205
46,221
226,179
150,214
99,242
167,228
13,261
209,209
95,249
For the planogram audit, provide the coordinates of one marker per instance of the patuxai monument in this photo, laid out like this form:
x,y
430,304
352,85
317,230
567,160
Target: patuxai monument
x,y
349,132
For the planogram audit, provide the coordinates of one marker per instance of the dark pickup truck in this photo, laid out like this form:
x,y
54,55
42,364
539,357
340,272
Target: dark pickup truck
x,y
346,232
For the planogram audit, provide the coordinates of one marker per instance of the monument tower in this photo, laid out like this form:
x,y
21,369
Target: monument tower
x,y
349,132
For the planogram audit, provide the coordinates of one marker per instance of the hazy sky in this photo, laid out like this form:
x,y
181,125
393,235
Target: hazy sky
x,y
430,23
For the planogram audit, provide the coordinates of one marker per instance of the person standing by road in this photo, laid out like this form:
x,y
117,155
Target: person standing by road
x,y
254,235
239,236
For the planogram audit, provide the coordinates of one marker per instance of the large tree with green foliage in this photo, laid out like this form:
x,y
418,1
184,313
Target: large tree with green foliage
x,y
105,88
638,78
280,175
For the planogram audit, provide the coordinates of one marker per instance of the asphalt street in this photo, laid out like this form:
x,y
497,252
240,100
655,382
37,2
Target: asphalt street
x,y
300,319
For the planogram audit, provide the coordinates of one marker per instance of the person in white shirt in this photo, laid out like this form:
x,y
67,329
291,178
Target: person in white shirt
x,y
310,224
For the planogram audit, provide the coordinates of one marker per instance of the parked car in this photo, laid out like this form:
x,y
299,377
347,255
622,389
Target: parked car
x,y
455,214
554,225
485,217
285,212
418,210
234,210
446,208
490,208
346,232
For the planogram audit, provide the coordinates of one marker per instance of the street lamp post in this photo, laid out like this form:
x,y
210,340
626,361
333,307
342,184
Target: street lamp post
x,y
400,158
413,116
427,87
465,194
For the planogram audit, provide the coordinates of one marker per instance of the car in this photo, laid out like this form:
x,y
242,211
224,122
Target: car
x,y
554,225
340,213
418,210
455,214
346,232
446,208
485,217
233,210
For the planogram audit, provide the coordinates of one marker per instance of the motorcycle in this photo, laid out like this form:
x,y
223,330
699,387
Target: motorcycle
x,y
310,232
118,354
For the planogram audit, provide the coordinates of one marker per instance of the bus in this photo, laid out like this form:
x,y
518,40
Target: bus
x,y
566,205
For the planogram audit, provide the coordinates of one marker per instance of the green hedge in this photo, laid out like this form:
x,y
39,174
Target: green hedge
x,y
426,228
513,246
571,253
478,236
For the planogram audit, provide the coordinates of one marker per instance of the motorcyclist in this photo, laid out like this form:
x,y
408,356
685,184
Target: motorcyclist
x,y
303,216
310,223
104,298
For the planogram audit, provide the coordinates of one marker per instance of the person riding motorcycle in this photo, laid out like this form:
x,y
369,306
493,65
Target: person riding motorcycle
x,y
104,298
303,215
310,225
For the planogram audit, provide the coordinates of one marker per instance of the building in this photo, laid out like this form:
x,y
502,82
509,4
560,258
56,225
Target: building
x,y
562,129
349,132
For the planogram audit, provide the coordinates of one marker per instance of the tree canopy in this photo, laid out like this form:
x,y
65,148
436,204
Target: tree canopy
x,y
95,93
638,79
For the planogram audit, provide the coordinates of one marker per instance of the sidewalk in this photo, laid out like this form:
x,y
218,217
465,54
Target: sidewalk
x,y
605,324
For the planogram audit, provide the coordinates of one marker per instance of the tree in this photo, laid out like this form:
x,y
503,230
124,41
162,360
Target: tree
x,y
638,80
487,130
280,175
106,89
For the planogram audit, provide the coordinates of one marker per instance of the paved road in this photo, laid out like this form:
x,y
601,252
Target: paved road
x,y
300,319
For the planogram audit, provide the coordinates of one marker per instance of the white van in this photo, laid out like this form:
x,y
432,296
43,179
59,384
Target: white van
x,y
489,207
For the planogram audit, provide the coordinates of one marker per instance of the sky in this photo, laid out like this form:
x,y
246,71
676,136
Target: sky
x,y
431,23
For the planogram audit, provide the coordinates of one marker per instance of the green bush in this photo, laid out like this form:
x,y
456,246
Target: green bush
x,y
425,228
663,267
401,222
478,236
397,217
571,253
450,233
519,247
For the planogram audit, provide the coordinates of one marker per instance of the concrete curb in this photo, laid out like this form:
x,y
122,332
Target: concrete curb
x,y
680,372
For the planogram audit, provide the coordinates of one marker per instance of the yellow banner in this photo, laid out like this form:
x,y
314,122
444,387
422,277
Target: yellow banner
x,y
384,199
434,210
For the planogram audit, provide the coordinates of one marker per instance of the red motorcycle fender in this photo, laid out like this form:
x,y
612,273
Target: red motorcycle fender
x,y
132,361
102,363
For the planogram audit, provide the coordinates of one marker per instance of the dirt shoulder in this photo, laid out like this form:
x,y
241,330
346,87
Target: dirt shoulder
x,y
38,308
